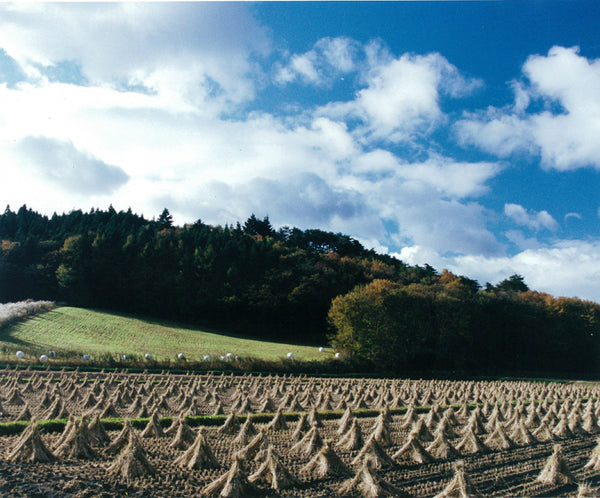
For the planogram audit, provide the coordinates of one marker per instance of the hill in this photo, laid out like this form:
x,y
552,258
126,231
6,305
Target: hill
x,y
291,286
74,331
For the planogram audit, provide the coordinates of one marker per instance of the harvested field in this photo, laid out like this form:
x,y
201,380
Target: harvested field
x,y
293,436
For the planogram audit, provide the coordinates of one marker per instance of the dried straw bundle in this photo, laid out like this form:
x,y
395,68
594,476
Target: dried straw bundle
x,y
301,427
521,435
353,439
15,398
184,435
77,443
562,431
309,444
326,463
246,432
66,431
410,417
460,486
278,422
249,451
199,455
25,413
345,421
441,448
585,489
153,428
594,461
498,440
413,449
314,418
556,470
446,427
132,461
374,451
230,426
233,483
543,433
97,433
421,430
273,472
122,438
56,410
367,484
471,444
590,422
381,431
30,447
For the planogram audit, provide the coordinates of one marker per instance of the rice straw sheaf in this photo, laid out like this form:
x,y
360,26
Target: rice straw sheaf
x,y
199,455
556,470
460,486
367,484
273,472
77,444
233,483
326,463
30,447
132,461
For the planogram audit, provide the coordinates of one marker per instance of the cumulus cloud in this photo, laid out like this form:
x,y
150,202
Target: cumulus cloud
x,y
192,50
564,133
530,219
70,169
401,96
329,58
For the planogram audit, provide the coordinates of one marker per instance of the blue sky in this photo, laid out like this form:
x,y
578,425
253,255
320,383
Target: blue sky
x,y
459,134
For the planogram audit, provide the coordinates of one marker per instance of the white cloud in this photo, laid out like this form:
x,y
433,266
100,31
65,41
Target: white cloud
x,y
424,216
329,58
401,98
190,50
450,178
340,53
531,219
496,132
565,139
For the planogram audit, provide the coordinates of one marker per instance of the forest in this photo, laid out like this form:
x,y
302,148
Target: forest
x,y
305,286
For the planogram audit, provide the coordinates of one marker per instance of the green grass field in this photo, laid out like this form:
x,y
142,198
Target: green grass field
x,y
70,331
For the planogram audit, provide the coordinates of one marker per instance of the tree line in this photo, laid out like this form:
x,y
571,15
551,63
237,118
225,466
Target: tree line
x,y
506,329
307,286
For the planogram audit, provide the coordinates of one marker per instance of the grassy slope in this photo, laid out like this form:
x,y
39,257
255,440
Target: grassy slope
x,y
93,332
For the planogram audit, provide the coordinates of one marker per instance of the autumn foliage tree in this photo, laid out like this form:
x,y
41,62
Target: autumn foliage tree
x,y
449,325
